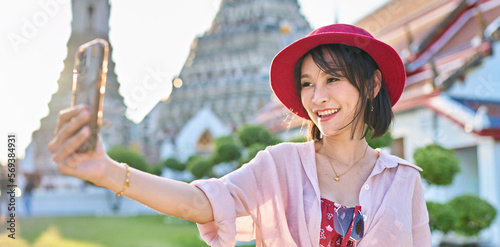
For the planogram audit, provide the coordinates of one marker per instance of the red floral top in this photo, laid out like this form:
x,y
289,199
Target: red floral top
x,y
328,236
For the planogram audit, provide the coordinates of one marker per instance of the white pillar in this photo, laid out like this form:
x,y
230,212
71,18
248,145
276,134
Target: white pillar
x,y
489,183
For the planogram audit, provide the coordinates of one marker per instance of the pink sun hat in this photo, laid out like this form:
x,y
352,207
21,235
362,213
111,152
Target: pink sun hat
x,y
283,64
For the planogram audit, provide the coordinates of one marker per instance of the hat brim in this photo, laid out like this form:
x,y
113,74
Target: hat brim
x,y
283,66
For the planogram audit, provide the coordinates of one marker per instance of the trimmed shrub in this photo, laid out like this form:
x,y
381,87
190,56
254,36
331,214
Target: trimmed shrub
x,y
199,167
250,134
442,217
125,155
383,141
223,139
156,169
473,214
439,164
174,164
226,152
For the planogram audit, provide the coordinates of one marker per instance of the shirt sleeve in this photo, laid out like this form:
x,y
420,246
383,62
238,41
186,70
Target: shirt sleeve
x,y
234,199
421,230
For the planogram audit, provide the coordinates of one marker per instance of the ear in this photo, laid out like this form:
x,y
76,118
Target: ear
x,y
377,79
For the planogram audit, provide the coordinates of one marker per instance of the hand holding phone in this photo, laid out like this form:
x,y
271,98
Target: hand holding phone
x,y
89,84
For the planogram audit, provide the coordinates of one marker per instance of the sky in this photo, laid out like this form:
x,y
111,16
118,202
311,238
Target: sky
x,y
150,42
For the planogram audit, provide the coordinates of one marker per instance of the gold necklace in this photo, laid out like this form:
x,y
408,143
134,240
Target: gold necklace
x,y
337,178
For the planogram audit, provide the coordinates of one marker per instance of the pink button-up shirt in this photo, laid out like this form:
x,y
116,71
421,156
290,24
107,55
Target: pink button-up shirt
x,y
275,198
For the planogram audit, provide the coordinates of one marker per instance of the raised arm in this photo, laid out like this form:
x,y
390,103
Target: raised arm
x,y
167,196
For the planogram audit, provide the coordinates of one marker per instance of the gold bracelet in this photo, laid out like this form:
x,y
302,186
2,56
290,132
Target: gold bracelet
x,y
127,181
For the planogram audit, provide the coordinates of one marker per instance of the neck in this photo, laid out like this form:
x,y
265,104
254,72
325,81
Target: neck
x,y
345,152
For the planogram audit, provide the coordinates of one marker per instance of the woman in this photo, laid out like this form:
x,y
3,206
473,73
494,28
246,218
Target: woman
x,y
331,191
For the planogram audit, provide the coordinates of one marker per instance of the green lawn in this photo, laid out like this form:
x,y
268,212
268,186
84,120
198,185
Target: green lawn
x,y
142,231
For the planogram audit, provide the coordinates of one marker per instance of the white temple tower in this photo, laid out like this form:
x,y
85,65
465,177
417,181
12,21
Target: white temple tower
x,y
90,21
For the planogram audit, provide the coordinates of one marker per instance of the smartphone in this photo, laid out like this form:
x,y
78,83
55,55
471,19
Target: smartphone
x,y
89,84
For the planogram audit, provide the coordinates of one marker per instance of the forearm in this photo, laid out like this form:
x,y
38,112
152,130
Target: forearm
x,y
167,196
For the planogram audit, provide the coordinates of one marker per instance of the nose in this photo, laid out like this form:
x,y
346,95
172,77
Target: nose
x,y
320,95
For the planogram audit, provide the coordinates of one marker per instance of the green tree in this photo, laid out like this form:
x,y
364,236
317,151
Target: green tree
x,y
226,150
442,217
199,166
133,159
250,134
473,214
223,139
174,164
157,168
383,141
234,152
439,164
465,214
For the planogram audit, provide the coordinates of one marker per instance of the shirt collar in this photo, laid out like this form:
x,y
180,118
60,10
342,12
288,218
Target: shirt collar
x,y
386,160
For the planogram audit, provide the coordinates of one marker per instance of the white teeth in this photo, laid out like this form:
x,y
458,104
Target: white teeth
x,y
327,112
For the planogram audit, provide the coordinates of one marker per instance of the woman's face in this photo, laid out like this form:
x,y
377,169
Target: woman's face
x,y
331,101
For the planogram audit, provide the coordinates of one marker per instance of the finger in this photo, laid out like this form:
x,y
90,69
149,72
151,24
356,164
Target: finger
x,y
71,145
74,159
69,129
68,166
64,169
71,163
66,115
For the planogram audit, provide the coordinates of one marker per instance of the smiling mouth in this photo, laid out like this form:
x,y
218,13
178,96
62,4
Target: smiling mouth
x,y
327,112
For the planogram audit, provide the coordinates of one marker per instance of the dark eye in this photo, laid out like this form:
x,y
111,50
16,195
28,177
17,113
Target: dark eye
x,y
306,84
332,79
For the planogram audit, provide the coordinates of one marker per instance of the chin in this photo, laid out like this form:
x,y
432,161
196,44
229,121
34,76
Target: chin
x,y
331,131
328,131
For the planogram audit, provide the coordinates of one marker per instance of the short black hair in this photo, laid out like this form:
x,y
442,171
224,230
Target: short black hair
x,y
359,69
